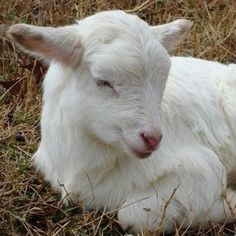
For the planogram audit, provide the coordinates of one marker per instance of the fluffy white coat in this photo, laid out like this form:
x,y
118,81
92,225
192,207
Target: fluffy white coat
x,y
89,131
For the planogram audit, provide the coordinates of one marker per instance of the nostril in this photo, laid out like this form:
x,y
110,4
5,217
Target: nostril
x,y
150,141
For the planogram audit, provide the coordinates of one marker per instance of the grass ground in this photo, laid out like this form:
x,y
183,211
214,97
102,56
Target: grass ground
x,y
28,206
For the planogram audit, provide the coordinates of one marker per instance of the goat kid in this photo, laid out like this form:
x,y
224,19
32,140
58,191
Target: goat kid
x,y
125,124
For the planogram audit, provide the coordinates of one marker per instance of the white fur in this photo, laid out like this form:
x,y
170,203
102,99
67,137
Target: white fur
x,y
88,131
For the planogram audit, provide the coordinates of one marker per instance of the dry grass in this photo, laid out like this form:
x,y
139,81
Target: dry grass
x,y
28,206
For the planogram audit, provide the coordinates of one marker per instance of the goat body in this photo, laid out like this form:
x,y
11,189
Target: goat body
x,y
110,94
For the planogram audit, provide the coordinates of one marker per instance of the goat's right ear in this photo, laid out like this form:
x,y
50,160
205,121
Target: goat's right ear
x,y
62,44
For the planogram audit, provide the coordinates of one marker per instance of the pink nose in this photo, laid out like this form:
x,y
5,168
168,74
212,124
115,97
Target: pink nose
x,y
151,142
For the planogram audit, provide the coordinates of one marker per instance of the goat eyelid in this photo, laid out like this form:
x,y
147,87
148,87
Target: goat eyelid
x,y
103,83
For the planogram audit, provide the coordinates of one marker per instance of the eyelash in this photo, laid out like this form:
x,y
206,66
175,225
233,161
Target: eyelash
x,y
103,83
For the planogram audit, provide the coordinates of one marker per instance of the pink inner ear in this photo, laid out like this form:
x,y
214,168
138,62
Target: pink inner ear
x,y
34,44
39,45
61,44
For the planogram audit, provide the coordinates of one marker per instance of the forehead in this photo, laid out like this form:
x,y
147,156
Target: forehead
x,y
121,44
129,59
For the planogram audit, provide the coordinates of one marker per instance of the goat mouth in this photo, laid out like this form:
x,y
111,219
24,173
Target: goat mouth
x,y
142,155
139,154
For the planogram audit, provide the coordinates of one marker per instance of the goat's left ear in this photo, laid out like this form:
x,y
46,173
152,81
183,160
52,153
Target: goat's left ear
x,y
172,34
62,43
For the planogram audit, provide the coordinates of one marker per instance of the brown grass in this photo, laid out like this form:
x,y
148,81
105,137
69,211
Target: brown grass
x,y
28,206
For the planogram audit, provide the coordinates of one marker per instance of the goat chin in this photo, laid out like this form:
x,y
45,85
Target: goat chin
x,y
111,93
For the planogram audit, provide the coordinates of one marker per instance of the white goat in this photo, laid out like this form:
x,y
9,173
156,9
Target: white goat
x,y
107,104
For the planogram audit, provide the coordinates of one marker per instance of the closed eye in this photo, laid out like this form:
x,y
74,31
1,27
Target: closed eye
x,y
103,83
